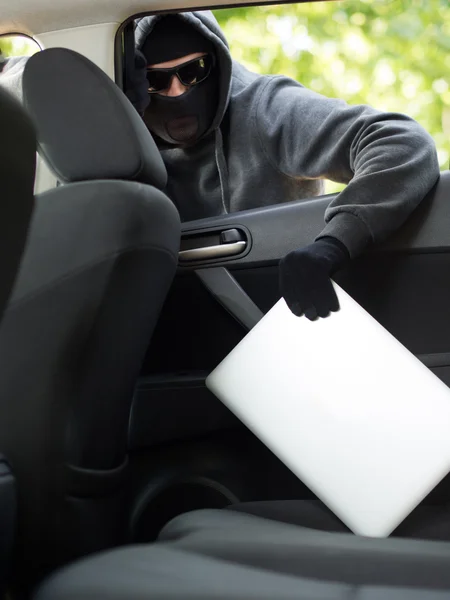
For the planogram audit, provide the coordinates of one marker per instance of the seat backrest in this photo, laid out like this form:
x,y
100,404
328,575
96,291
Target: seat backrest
x,y
17,167
17,170
101,256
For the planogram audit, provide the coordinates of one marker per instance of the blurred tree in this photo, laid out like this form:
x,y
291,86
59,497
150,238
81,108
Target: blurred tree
x,y
391,54
6,46
17,45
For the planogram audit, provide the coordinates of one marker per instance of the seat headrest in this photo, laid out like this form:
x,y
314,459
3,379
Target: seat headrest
x,y
86,127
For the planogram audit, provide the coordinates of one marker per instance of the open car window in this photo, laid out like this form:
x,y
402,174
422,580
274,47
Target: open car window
x,y
393,56
15,49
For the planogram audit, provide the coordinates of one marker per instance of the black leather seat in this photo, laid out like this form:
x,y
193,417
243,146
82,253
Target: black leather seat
x,y
229,556
17,169
101,255
429,521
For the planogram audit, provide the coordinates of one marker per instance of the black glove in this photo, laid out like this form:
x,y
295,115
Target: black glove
x,y
137,84
305,275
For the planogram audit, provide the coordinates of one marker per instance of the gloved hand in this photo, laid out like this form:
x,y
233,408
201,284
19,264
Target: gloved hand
x,y
137,84
305,275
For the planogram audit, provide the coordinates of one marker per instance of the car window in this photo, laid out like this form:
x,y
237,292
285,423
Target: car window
x,y
391,54
17,45
14,52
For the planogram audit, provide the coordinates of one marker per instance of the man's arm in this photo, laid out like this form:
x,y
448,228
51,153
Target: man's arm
x,y
388,160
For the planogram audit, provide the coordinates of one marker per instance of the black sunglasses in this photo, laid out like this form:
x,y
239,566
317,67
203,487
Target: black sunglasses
x,y
189,73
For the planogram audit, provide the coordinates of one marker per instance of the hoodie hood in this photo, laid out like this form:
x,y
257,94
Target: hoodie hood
x,y
206,24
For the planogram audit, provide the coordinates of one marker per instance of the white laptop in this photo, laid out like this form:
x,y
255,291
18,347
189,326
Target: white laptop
x,y
362,422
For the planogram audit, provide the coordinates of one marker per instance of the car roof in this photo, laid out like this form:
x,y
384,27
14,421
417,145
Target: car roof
x,y
39,16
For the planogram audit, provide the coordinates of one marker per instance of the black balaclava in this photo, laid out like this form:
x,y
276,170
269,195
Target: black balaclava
x,y
180,120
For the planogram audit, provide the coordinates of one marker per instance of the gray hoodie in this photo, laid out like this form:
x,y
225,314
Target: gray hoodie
x,y
279,140
11,71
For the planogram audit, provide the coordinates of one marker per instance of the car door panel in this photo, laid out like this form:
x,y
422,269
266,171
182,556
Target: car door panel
x,y
276,230
404,284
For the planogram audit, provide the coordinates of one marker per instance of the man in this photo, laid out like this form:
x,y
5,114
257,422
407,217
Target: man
x,y
233,140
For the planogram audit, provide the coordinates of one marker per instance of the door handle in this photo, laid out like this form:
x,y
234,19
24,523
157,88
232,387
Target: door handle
x,y
212,252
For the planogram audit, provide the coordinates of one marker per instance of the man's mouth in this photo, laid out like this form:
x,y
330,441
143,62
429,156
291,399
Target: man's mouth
x,y
182,129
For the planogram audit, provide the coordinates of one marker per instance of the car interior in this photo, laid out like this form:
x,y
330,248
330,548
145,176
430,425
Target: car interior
x,y
107,429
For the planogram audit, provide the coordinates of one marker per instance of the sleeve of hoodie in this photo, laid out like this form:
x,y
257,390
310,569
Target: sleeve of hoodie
x,y
388,160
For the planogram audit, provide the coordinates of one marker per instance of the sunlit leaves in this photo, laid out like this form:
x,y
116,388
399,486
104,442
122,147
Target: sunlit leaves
x,y
391,54
17,45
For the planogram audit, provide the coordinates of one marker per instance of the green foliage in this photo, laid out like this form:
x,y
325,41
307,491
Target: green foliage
x,y
6,46
391,54
17,45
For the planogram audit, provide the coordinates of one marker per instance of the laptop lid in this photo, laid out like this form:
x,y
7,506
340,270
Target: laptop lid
x,y
357,417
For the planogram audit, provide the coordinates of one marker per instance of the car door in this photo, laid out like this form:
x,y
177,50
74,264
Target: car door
x,y
228,278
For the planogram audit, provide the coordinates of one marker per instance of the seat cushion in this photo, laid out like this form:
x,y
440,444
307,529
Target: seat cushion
x,y
430,522
301,551
306,513
227,555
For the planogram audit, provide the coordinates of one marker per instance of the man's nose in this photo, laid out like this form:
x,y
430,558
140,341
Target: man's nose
x,y
176,88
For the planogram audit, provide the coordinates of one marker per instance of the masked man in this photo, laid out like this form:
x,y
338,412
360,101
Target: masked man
x,y
234,140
